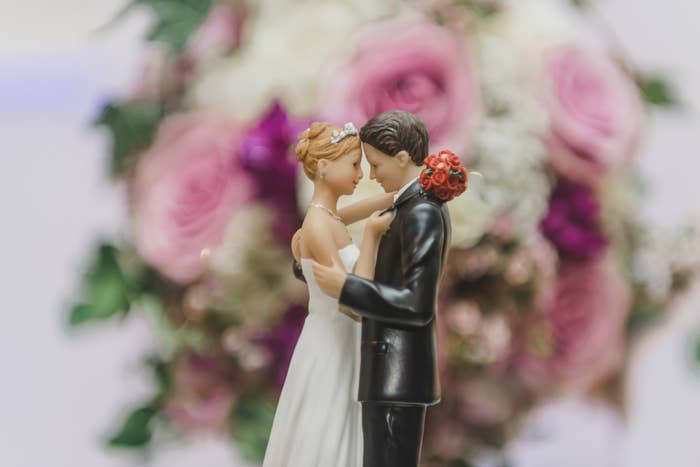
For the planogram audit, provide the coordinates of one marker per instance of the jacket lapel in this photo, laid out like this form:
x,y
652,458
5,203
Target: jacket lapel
x,y
411,192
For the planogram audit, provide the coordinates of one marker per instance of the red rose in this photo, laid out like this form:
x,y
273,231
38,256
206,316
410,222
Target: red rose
x,y
443,193
425,181
450,158
440,176
453,182
432,161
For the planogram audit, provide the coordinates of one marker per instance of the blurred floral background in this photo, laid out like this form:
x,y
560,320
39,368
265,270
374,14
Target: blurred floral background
x,y
568,258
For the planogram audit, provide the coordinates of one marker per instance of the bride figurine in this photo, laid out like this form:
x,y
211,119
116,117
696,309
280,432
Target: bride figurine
x,y
318,419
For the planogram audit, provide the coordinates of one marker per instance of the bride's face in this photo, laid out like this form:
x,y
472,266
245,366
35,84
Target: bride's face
x,y
344,173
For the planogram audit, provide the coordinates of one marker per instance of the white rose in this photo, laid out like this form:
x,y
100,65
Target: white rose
x,y
469,213
508,150
278,9
286,49
534,25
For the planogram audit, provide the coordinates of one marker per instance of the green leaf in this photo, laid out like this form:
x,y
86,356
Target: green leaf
x,y
107,289
136,430
642,316
460,463
580,3
252,423
161,372
657,91
176,19
82,313
133,126
481,8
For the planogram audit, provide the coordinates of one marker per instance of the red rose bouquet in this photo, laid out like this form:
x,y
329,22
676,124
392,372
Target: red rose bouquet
x,y
443,177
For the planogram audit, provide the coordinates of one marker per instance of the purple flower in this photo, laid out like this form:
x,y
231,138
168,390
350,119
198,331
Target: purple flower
x,y
265,154
280,342
572,222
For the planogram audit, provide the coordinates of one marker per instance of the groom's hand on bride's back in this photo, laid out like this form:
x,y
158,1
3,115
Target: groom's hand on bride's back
x,y
330,279
296,245
296,252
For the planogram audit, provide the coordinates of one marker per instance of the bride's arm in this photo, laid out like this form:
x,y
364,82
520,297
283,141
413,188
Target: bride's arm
x,y
374,229
363,208
364,267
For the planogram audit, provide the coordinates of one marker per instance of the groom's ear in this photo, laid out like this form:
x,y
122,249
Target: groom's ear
x,y
403,158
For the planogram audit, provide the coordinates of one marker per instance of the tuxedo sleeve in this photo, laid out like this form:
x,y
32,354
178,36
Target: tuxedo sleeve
x,y
422,237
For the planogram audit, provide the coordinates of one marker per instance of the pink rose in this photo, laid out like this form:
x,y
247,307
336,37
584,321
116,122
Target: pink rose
x,y
187,187
595,112
580,338
219,33
202,395
409,65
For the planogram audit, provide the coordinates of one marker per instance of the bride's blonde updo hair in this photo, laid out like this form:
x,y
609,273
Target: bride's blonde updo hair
x,y
314,144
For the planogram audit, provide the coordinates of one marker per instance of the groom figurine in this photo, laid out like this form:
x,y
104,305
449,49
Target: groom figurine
x,y
398,369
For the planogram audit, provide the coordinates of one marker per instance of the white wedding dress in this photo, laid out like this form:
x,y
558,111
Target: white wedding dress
x,y
318,419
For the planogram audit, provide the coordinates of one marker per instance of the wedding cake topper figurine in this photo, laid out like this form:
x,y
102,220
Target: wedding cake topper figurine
x,y
390,285
318,419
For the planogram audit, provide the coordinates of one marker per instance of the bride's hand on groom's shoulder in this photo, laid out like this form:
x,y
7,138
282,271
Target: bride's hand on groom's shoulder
x,y
379,222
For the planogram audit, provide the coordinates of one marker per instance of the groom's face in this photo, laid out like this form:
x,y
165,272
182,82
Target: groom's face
x,y
384,169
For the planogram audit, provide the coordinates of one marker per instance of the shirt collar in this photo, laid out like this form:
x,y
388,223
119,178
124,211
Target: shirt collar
x,y
403,188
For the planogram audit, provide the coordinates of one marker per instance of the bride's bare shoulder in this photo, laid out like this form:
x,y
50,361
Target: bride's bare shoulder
x,y
318,226
316,222
319,236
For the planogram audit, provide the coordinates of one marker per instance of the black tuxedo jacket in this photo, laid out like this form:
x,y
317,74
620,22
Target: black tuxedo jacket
x,y
399,341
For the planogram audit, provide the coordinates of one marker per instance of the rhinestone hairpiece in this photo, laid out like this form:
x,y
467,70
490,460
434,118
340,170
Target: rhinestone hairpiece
x,y
348,129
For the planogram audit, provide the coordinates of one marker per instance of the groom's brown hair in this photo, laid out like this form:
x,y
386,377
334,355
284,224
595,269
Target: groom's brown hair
x,y
395,131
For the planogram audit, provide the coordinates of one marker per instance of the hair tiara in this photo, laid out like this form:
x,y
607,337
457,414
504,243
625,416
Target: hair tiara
x,y
348,129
